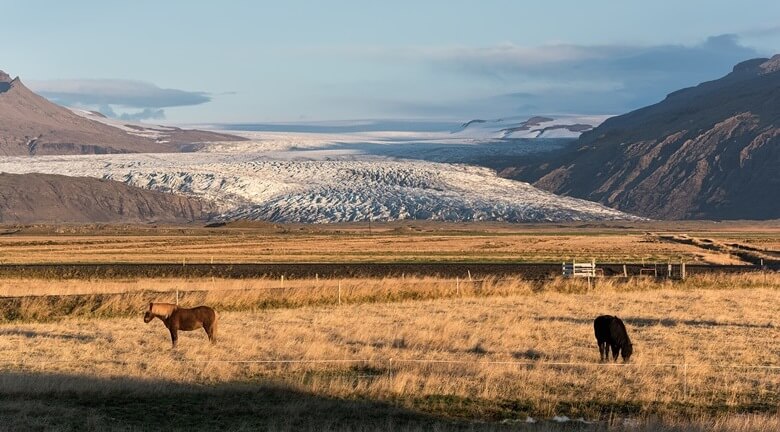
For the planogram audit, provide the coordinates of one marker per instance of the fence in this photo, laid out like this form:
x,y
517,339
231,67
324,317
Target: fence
x,y
579,270
342,287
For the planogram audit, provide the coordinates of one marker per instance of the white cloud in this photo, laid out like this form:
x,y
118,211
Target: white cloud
x,y
145,100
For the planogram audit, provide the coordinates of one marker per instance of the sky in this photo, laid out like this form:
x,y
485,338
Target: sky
x,y
195,62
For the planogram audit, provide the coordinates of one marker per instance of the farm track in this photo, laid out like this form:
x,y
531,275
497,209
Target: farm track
x,y
529,271
747,253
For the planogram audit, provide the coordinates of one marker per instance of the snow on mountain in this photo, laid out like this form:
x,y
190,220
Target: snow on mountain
x,y
181,139
309,178
157,133
567,126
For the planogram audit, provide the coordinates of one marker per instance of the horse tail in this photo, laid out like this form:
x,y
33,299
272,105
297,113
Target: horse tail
x,y
214,328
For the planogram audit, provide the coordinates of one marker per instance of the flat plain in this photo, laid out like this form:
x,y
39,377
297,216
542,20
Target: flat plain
x,y
389,242
395,353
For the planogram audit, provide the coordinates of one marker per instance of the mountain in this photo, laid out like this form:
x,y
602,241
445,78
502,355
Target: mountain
x,y
181,139
46,198
32,125
707,152
532,127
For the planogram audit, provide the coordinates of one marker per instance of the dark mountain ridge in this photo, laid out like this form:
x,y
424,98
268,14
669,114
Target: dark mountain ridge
x,y
706,152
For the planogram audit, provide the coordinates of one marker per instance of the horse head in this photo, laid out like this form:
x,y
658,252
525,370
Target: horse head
x,y
159,310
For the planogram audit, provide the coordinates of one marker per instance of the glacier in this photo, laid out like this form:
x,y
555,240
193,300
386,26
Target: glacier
x,y
320,178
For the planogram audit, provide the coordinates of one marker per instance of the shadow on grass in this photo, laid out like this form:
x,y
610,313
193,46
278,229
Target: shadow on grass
x,y
48,401
38,334
40,401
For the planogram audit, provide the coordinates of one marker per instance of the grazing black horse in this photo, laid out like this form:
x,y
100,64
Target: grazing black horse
x,y
611,333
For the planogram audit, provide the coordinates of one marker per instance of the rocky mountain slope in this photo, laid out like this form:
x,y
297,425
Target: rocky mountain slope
x,y
46,198
32,125
705,152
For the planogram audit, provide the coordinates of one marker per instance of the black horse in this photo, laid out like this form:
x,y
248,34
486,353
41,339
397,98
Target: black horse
x,y
611,332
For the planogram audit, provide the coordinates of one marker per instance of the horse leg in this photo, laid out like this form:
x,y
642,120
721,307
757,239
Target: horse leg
x,y
210,332
174,336
615,352
603,351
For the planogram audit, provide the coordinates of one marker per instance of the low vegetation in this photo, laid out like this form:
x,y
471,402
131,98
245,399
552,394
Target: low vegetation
x,y
395,353
390,242
499,354
44,300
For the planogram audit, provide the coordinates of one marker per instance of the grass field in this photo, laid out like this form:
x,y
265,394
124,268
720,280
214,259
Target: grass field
x,y
393,242
408,353
428,359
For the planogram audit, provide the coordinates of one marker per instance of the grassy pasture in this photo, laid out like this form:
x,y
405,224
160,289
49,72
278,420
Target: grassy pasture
x,y
413,353
494,357
391,242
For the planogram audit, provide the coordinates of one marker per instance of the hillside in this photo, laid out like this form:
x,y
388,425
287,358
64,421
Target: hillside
x,y
706,152
32,125
46,198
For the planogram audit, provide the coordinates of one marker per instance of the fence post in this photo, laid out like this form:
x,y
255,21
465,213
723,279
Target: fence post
x,y
469,272
177,296
682,270
625,271
339,292
281,282
457,286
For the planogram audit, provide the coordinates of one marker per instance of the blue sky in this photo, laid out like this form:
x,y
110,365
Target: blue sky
x,y
258,61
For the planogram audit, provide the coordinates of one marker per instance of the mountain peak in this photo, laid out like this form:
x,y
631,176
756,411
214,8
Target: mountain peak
x,y
757,66
771,65
752,66
4,77
708,151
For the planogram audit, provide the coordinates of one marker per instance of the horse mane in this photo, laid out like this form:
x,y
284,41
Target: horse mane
x,y
162,310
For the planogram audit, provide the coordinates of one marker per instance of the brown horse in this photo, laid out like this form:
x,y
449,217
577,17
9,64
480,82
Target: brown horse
x,y
176,318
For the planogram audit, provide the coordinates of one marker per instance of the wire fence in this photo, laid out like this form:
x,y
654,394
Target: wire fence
x,y
290,285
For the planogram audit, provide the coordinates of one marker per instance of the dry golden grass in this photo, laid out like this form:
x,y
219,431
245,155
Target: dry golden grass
x,y
75,354
502,342
247,246
43,299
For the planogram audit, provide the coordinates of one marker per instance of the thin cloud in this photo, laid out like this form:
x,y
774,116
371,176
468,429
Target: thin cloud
x,y
554,78
135,100
588,61
145,114
761,32
125,93
592,79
